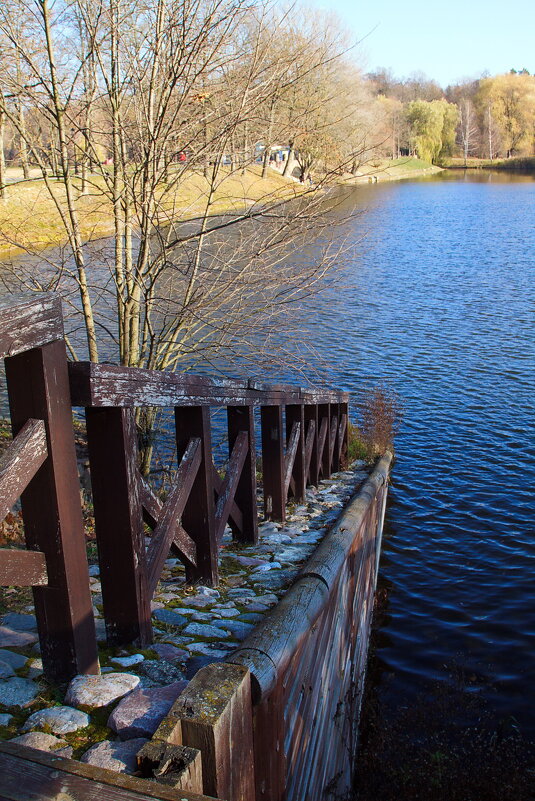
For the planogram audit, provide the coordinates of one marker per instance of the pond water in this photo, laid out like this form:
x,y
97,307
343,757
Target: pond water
x,y
439,304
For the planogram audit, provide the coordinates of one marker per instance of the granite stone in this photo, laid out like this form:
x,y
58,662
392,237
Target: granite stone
x,y
119,756
11,638
44,742
17,692
59,719
141,712
99,690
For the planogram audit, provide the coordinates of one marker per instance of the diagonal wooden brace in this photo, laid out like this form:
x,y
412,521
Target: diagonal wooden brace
x,y
290,455
165,531
230,482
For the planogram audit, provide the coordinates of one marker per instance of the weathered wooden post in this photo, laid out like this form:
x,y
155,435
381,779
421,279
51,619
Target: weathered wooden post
x,y
31,339
241,418
273,463
344,445
198,517
113,457
214,714
295,414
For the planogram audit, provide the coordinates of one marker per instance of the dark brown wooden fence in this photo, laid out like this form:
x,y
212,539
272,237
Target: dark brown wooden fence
x,y
40,467
278,720
303,438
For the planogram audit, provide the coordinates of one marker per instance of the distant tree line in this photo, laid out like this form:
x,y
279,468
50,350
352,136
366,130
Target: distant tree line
x,y
490,117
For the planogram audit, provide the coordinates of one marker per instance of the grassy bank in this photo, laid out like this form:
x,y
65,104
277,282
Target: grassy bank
x,y
525,165
29,219
378,170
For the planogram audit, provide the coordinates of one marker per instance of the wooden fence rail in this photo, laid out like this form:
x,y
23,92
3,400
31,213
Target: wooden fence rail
x,y
303,439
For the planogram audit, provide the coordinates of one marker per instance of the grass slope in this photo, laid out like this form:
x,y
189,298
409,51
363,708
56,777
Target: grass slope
x,y
29,219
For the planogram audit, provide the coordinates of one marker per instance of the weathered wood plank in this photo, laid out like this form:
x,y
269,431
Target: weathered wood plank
x,y
198,517
38,389
215,714
182,545
112,444
291,454
340,437
27,774
28,322
241,418
235,515
22,568
273,463
230,482
333,451
310,441
295,413
324,445
20,462
109,385
165,531
313,471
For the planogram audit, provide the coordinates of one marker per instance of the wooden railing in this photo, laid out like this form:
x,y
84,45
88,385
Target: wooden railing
x,y
40,466
303,438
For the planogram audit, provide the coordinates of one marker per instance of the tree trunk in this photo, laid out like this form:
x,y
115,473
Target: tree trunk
x,y
23,148
2,158
289,158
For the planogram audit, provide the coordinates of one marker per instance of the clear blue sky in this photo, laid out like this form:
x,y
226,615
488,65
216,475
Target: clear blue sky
x,y
447,41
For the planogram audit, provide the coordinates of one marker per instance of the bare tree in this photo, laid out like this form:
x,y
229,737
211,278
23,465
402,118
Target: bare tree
x,y
153,99
468,130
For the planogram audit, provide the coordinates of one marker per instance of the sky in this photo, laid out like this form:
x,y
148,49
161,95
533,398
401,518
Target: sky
x,y
447,41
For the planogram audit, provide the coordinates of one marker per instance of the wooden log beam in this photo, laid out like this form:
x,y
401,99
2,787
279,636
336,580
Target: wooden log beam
x,y
198,517
273,463
165,531
112,444
20,462
22,568
230,482
241,419
38,388
290,455
215,715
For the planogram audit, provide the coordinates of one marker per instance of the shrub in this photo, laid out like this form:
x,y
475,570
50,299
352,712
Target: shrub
x,y
380,417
